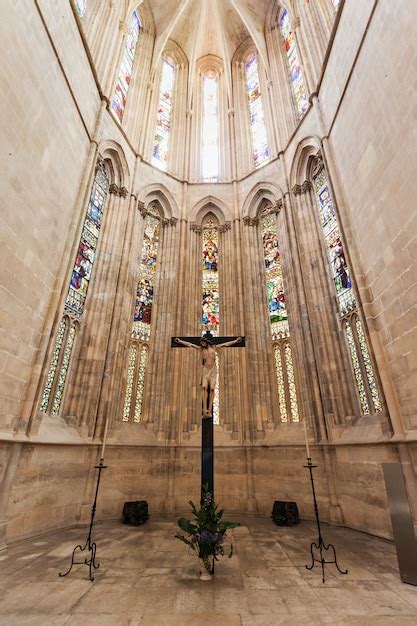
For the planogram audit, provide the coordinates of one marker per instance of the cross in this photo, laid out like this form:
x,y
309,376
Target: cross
x,y
207,431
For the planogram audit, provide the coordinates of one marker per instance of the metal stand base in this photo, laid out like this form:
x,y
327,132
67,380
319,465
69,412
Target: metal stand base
x,y
320,546
90,546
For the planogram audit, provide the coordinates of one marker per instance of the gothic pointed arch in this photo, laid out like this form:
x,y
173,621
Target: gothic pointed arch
x,y
260,191
158,192
213,204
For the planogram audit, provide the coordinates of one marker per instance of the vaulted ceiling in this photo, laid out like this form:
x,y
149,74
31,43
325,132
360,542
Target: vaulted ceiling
x,y
202,27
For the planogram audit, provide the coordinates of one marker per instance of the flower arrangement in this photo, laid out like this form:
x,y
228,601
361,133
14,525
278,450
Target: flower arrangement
x,y
207,533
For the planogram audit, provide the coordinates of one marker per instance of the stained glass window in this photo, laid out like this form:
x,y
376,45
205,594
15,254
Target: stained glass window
x,y
53,366
337,260
363,371
369,371
142,318
210,307
210,318
142,314
81,7
210,154
125,72
163,117
278,317
293,58
357,369
257,122
86,253
77,292
129,386
59,392
278,314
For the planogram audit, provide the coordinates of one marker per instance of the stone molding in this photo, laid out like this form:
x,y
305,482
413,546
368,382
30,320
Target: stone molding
x,y
118,191
224,227
298,190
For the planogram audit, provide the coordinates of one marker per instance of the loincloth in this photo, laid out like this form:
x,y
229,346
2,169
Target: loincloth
x,y
209,376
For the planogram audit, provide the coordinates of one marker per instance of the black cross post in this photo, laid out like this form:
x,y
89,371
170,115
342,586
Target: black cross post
x,y
207,438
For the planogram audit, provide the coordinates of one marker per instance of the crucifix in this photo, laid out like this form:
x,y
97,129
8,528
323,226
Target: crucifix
x,y
208,346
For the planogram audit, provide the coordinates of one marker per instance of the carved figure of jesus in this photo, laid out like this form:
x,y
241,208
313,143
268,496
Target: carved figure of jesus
x,y
208,353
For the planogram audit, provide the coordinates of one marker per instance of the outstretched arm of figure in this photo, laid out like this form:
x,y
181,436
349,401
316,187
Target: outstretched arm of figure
x,y
228,344
187,344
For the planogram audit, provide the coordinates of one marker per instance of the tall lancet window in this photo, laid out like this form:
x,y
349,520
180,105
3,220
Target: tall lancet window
x,y
125,72
256,114
163,116
77,293
210,154
81,7
294,64
278,316
366,383
142,318
210,318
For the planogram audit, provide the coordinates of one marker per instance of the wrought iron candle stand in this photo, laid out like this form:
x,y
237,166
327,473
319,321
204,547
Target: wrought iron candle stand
x,y
90,546
320,545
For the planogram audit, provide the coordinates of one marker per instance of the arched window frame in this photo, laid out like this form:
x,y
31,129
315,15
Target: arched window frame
x,y
281,339
139,341
365,373
210,75
264,156
82,270
127,62
161,105
300,109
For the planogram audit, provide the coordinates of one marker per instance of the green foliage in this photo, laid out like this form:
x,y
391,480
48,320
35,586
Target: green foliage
x,y
207,532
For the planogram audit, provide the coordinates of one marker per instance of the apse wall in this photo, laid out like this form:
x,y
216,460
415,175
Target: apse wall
x,y
361,118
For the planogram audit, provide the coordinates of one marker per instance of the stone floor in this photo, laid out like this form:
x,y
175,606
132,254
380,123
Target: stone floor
x,y
148,578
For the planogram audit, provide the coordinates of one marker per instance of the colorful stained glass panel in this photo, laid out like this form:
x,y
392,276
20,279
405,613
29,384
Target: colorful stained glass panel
x,y
278,314
210,306
210,153
357,369
86,253
140,385
296,73
257,121
54,363
336,255
281,386
368,366
59,392
142,315
125,72
129,385
163,117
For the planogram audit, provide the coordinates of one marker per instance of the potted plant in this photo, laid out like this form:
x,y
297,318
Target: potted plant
x,y
206,534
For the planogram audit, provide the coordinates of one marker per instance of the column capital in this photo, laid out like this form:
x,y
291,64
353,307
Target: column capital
x,y
118,191
195,227
250,221
224,227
